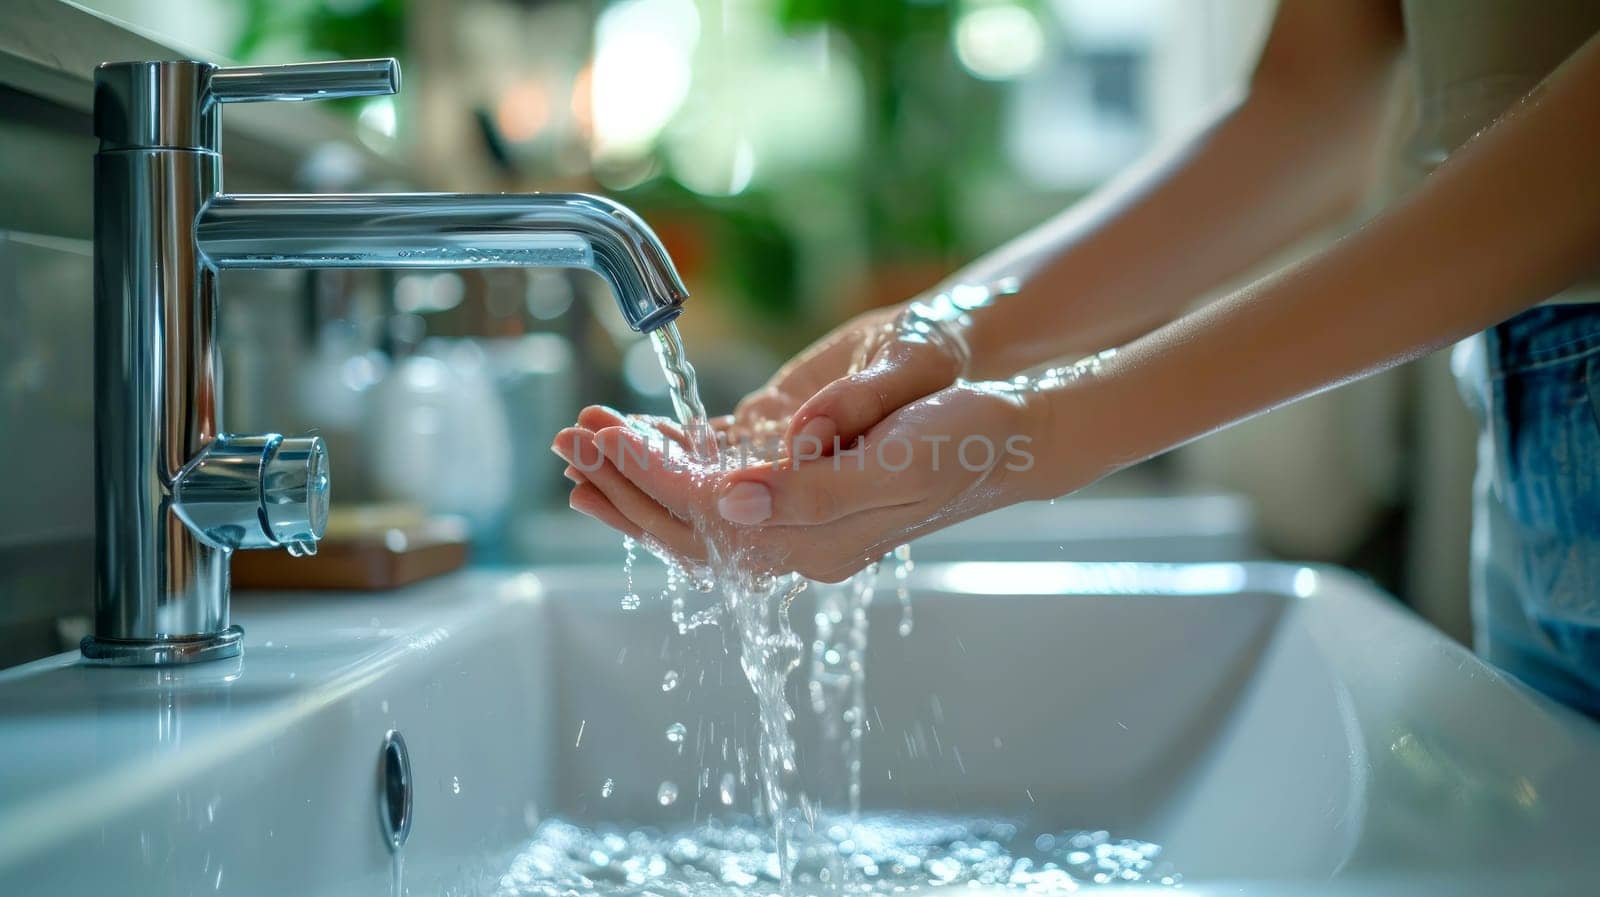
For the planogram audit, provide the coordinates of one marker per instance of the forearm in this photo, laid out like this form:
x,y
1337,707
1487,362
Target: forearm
x,y
1512,219
1136,254
1292,156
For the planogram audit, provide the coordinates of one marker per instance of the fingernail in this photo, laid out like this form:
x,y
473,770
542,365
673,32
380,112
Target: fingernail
x,y
816,437
746,503
574,475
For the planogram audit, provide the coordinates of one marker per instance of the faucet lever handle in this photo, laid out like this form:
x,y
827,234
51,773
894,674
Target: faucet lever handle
x,y
305,81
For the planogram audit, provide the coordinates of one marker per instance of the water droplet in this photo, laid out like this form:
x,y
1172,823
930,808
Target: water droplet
x,y
726,790
902,575
607,787
676,733
667,794
455,784
630,598
669,681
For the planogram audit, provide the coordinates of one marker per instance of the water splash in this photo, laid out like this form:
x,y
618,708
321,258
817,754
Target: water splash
x,y
682,617
676,733
837,683
630,556
757,607
879,855
667,794
903,566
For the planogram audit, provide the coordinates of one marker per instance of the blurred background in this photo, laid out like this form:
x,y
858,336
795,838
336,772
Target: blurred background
x,y
803,160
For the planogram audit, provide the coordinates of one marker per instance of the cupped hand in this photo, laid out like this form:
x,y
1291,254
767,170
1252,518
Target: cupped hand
x,y
845,383
959,452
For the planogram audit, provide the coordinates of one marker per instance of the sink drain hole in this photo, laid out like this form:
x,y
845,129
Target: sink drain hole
x,y
394,790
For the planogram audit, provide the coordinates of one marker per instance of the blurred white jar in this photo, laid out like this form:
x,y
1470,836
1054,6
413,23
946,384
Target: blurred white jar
x,y
439,436
333,389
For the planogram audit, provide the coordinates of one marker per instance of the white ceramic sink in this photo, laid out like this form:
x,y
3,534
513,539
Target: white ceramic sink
x,y
1279,730
260,775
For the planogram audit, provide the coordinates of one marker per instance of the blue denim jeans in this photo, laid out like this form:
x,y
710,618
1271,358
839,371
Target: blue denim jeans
x,y
1536,526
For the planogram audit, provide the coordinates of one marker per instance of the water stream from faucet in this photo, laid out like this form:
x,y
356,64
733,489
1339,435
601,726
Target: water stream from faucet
x,y
757,605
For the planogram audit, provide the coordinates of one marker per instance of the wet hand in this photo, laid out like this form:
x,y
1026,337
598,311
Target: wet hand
x,y
853,378
944,457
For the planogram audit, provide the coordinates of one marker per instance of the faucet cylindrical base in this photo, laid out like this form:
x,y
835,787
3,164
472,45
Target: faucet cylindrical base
x,y
157,403
162,651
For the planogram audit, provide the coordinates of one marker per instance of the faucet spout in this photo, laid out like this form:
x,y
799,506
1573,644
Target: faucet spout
x,y
446,230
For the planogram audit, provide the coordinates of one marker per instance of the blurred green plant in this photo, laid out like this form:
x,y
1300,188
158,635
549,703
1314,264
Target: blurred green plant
x,y
927,124
340,29
752,249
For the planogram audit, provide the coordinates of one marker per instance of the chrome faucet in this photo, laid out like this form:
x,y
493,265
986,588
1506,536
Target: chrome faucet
x,y
176,494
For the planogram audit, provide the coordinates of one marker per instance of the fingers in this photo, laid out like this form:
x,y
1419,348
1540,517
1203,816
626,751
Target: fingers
x,y
595,418
668,477
586,498
660,492
844,410
579,448
817,491
868,507
813,369
834,553
765,405
839,351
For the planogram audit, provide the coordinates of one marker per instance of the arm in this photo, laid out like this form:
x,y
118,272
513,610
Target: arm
x,y
1511,219
1293,156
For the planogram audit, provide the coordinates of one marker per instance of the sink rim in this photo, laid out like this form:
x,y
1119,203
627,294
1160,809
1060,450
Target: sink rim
x,y
974,578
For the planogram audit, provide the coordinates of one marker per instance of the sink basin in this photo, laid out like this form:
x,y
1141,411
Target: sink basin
x,y
1277,729
1273,727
